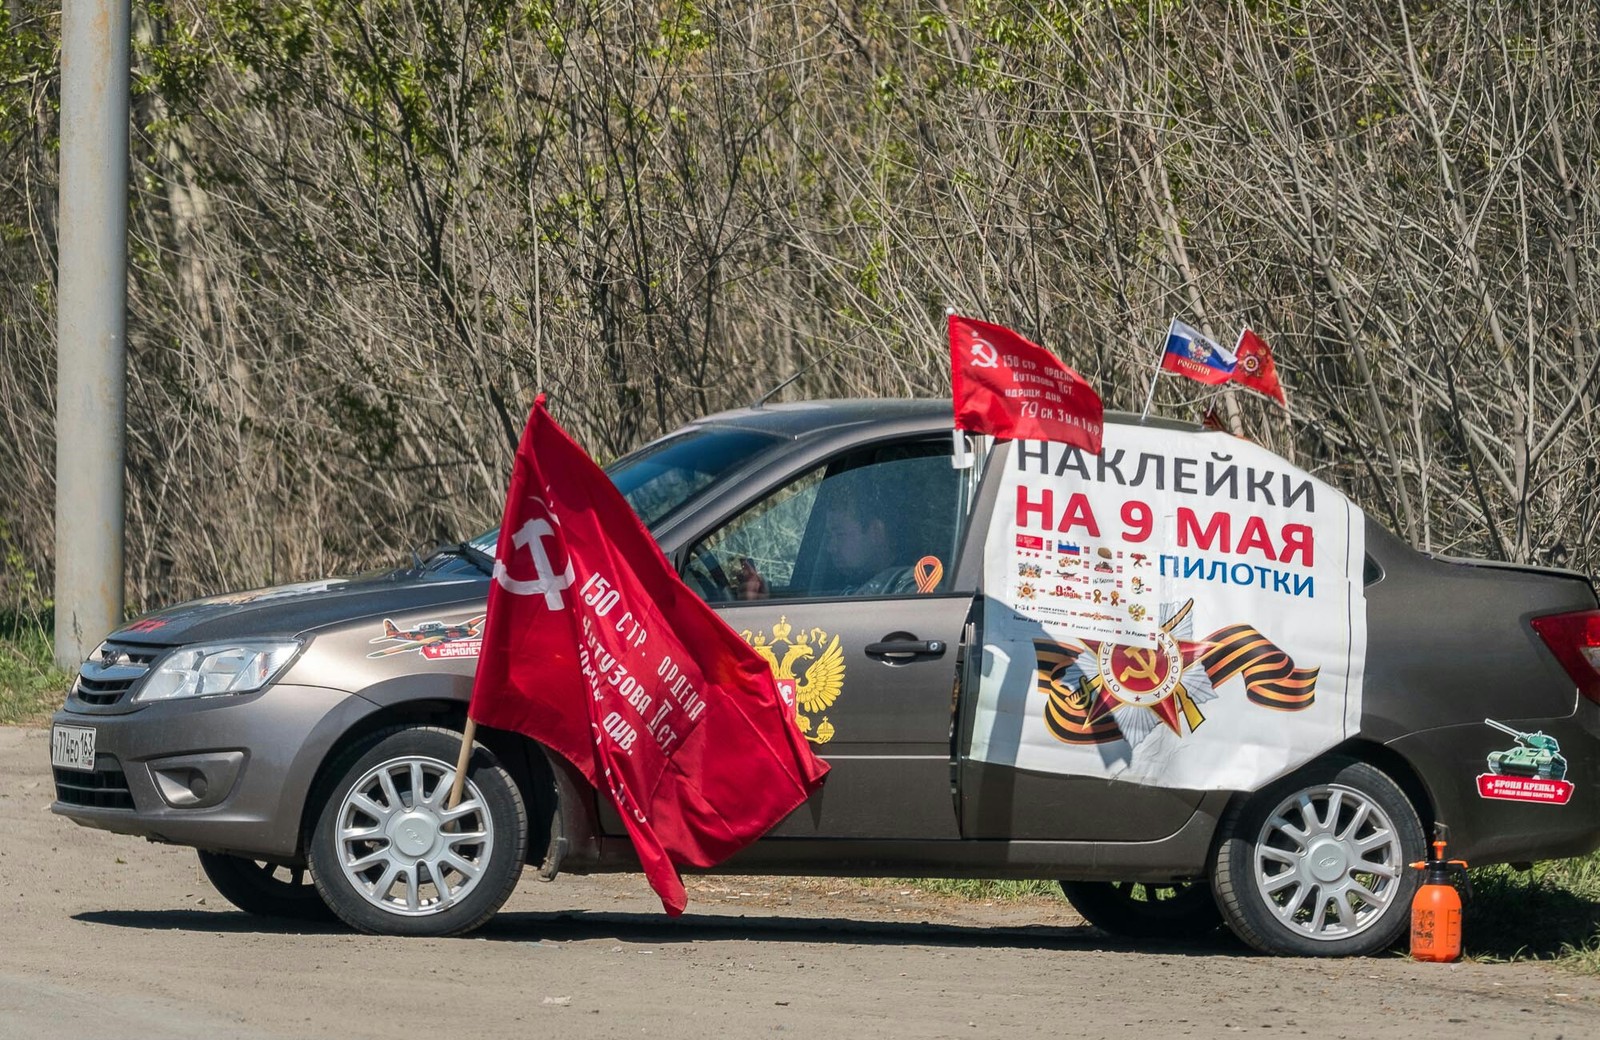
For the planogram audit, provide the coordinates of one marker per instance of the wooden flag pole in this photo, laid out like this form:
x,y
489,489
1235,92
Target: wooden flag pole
x,y
461,764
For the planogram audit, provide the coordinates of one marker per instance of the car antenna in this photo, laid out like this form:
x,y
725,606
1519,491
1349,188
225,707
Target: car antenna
x,y
764,398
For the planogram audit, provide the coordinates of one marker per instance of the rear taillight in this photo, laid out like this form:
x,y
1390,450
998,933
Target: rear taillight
x,y
1575,640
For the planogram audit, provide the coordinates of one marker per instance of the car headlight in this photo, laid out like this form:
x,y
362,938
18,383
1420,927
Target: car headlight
x,y
216,668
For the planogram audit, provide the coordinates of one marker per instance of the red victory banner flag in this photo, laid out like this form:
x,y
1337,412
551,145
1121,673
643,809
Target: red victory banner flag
x,y
1010,388
596,649
1254,369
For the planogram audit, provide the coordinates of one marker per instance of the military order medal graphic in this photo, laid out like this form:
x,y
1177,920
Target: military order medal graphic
x,y
1166,680
1140,677
1093,687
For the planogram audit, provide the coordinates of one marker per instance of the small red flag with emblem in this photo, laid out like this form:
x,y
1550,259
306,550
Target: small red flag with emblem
x,y
1010,388
1254,369
594,648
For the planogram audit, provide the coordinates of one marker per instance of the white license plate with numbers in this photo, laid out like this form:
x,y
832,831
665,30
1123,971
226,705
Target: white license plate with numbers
x,y
72,747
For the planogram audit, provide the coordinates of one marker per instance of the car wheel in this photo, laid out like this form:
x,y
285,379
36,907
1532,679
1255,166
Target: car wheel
x,y
1316,863
1139,910
265,889
389,857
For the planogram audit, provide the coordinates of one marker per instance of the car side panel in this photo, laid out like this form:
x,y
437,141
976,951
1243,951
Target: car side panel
x,y
888,728
356,656
1485,830
1003,802
1180,856
1451,644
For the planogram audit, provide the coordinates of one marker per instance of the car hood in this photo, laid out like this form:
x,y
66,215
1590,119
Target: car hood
x,y
291,610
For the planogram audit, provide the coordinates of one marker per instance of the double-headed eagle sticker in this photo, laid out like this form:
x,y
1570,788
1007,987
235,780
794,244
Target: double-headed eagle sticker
x,y
820,678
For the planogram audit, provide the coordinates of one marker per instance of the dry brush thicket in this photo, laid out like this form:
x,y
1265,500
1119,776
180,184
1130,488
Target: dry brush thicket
x,y
364,234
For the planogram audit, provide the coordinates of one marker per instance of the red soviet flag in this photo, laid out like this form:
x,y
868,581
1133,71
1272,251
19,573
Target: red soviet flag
x,y
596,649
1010,388
1254,369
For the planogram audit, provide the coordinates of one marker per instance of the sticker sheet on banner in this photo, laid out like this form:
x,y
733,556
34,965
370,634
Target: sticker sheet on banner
x,y
1184,610
1092,587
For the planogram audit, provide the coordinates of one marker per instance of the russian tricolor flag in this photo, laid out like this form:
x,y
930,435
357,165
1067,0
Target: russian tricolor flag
x,y
1190,353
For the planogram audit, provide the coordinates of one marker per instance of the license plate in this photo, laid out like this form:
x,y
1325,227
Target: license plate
x,y
72,747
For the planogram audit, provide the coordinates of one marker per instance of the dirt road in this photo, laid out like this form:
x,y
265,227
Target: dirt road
x,y
109,936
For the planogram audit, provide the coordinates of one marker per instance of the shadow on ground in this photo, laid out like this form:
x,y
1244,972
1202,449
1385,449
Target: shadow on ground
x,y
579,926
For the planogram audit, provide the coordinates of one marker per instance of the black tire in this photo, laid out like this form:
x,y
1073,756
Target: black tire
x,y
1320,894
265,889
1139,910
377,849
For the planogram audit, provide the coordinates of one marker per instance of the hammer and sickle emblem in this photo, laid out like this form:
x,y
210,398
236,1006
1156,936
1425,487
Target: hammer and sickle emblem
x,y
531,536
1146,661
984,355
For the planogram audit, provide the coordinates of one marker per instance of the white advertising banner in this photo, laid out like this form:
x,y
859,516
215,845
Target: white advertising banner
x,y
1184,610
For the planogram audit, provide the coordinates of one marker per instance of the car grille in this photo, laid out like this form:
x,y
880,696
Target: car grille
x,y
105,788
112,674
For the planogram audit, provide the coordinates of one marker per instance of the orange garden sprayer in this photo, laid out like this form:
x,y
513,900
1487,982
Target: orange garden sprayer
x,y
1436,908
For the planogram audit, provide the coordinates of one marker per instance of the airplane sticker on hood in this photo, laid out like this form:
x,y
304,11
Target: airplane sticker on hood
x,y
434,639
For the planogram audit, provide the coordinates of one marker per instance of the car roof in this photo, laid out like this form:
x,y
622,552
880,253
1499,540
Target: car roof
x,y
803,418
794,420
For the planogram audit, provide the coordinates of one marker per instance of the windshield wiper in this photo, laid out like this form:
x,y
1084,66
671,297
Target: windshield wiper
x,y
467,551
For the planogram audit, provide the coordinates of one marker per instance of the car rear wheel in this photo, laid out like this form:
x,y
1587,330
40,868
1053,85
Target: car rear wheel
x,y
1316,863
265,889
1139,910
389,856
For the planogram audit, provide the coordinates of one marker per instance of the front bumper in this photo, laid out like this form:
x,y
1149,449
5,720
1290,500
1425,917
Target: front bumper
x,y
229,774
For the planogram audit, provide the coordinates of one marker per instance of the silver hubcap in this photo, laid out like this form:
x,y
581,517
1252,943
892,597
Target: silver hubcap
x,y
1328,862
401,848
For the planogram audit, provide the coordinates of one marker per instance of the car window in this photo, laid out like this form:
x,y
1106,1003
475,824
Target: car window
x,y
878,521
660,478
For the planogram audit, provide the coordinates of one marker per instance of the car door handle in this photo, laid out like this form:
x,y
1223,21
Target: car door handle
x,y
905,649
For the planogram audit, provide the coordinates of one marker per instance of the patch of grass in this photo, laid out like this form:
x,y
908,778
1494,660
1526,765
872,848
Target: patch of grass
x,y
1549,913
31,686
977,891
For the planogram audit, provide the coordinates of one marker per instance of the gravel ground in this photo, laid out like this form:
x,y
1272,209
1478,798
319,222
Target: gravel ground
x,y
111,936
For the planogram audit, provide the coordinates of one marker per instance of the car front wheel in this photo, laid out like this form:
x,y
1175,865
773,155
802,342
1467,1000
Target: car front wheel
x,y
390,857
264,889
1316,863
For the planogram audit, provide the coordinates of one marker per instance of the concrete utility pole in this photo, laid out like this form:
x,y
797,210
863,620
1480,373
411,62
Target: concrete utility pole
x,y
91,324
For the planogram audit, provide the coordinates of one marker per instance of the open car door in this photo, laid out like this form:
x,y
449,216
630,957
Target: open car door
x,y
1182,614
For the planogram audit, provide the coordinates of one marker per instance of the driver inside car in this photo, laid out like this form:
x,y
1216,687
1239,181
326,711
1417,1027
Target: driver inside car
x,y
860,553
860,548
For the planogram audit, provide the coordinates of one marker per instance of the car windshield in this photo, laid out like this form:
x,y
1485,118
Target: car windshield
x,y
664,476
